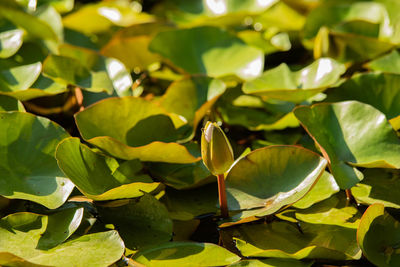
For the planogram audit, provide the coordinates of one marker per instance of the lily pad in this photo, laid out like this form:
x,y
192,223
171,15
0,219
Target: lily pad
x,y
283,84
379,90
325,187
210,51
363,138
378,236
21,233
285,240
19,77
100,17
389,63
192,98
28,169
131,45
185,253
10,41
272,263
140,222
109,180
189,204
333,211
254,182
8,103
149,135
378,186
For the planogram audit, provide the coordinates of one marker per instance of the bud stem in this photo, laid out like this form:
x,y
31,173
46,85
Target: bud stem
x,y
222,196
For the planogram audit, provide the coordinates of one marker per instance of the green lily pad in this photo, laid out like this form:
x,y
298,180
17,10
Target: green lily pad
x,y
140,222
185,253
181,176
255,113
32,24
100,17
10,41
283,84
200,12
325,187
21,233
389,63
131,45
188,204
88,70
109,180
28,169
8,103
378,186
19,78
378,237
269,44
192,98
210,51
333,211
254,182
272,263
363,137
284,240
149,135
379,90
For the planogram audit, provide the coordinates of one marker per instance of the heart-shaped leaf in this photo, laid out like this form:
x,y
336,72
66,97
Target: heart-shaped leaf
x,y
20,234
141,222
281,83
19,78
185,253
286,240
192,98
209,50
378,186
378,236
379,90
255,182
28,169
325,187
149,135
10,40
8,103
363,137
109,180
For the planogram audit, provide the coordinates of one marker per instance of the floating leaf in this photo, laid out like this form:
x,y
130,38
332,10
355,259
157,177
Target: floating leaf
x,y
209,50
109,180
333,211
19,78
378,186
284,240
8,103
20,233
185,253
389,63
254,182
283,84
192,97
272,263
28,169
148,136
100,17
379,90
363,138
188,204
325,187
141,222
10,41
378,236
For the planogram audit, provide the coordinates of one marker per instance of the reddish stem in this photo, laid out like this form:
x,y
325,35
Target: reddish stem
x,y
222,196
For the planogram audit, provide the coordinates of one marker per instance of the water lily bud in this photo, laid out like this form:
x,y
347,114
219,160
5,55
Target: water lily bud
x,y
216,150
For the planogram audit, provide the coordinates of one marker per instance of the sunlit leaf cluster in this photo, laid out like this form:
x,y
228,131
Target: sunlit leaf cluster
x,y
103,106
